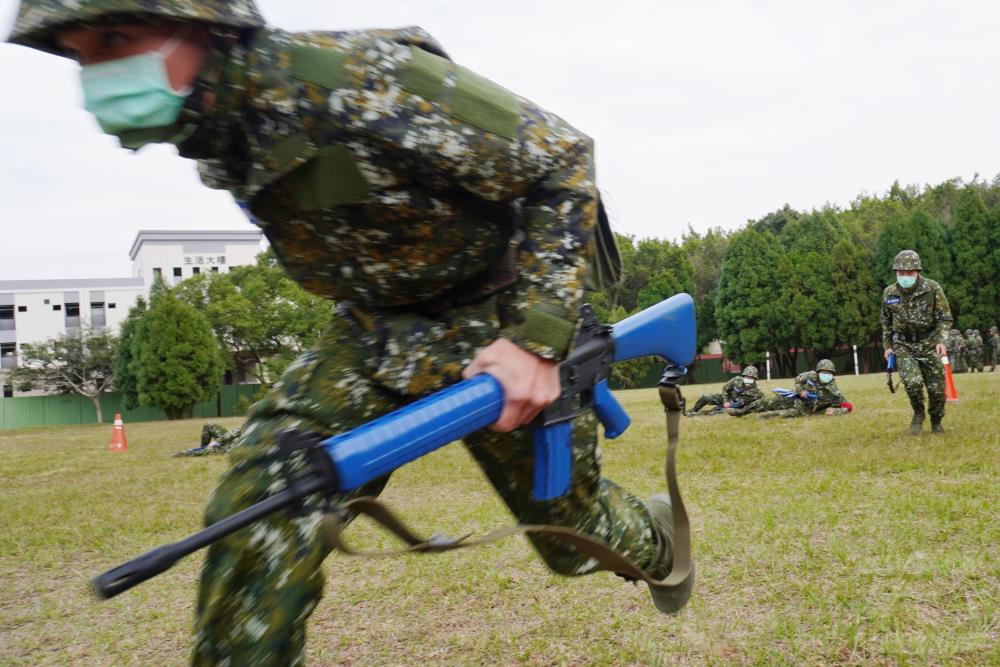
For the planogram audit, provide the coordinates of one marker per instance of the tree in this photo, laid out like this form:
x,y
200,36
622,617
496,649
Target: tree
x,y
259,314
749,310
176,357
705,254
973,291
917,231
79,362
125,367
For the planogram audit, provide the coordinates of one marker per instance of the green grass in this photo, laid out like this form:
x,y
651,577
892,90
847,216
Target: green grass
x,y
818,541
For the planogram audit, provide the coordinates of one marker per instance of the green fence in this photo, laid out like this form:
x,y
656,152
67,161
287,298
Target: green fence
x,y
68,410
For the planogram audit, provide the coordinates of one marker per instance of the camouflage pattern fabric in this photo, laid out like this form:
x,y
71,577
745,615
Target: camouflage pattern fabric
x,y
974,352
744,399
259,585
40,21
385,176
828,396
214,440
397,183
956,351
913,323
442,212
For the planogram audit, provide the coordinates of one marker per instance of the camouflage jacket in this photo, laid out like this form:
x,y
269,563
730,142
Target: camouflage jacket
x,y
827,395
955,344
974,344
994,344
916,319
735,391
402,185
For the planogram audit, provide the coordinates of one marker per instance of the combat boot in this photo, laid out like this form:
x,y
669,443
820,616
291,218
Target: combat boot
x,y
936,426
917,423
668,601
698,405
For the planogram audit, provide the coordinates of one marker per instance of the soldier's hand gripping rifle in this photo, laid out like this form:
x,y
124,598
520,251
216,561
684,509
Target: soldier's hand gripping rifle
x,y
373,450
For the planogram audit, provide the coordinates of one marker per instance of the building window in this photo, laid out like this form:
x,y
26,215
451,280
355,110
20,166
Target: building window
x,y
8,391
157,273
215,269
7,318
46,302
112,306
22,309
97,318
72,315
195,270
8,355
57,307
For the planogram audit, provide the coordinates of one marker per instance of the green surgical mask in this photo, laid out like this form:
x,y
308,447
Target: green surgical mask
x,y
133,93
826,378
906,282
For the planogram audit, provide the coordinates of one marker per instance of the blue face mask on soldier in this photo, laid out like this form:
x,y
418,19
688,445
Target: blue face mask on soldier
x,y
133,93
906,282
748,381
826,378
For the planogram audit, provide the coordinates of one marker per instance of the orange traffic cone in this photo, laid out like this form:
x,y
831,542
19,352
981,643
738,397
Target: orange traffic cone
x,y
118,443
950,394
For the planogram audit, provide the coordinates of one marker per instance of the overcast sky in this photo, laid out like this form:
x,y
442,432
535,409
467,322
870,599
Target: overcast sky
x,y
704,113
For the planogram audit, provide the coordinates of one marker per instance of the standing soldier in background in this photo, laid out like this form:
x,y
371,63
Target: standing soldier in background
x,y
953,344
958,363
455,224
980,350
973,351
994,346
739,396
915,320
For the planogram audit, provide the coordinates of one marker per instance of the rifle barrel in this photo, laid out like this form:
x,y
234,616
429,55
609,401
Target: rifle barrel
x,y
161,559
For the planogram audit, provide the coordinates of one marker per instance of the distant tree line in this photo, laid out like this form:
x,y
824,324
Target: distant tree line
x,y
812,281
789,281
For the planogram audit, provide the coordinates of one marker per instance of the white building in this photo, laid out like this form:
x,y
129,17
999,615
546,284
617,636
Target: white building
x,y
32,311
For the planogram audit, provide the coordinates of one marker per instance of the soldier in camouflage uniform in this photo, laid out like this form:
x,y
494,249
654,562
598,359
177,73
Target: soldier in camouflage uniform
x,y
974,350
915,320
739,396
955,345
214,440
455,224
816,393
994,347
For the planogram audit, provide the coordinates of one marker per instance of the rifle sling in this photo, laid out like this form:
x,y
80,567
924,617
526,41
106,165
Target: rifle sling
x,y
608,558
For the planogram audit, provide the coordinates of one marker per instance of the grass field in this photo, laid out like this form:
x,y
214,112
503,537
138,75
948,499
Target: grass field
x,y
829,540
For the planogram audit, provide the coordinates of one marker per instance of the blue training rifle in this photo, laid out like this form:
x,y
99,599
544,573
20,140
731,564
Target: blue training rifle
x,y
350,460
791,393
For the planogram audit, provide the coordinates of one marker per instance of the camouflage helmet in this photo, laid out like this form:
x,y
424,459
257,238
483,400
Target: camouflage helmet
x,y
39,22
751,372
907,260
825,365
968,332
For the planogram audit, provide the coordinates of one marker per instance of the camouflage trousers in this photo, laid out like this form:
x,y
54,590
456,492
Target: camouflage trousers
x,y
787,408
709,399
259,585
975,361
921,368
790,408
